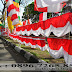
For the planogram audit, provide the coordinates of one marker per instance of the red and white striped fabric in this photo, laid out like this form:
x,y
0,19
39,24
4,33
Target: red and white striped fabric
x,y
43,16
48,5
34,42
60,26
25,22
12,12
29,21
60,47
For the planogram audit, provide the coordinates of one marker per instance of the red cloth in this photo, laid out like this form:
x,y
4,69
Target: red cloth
x,y
55,44
33,40
41,17
10,7
24,23
59,21
14,16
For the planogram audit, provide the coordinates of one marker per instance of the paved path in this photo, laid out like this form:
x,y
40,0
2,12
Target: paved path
x,y
9,55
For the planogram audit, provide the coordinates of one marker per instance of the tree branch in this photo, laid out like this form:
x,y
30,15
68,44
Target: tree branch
x,y
2,2
19,2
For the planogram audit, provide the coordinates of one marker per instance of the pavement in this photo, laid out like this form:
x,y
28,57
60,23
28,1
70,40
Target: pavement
x,y
9,55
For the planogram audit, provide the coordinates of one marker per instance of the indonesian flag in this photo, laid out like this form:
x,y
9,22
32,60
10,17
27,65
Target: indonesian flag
x,y
48,5
29,21
60,47
25,22
12,12
43,16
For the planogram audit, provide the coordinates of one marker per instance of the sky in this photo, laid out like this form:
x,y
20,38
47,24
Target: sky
x,y
21,8
1,6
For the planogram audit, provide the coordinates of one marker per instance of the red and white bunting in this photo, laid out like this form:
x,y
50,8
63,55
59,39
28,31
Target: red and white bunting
x,y
60,26
34,42
59,48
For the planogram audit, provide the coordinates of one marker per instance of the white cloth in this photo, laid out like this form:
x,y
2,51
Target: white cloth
x,y
52,5
61,31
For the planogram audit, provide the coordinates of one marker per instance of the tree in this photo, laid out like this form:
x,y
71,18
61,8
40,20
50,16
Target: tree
x,y
34,15
30,13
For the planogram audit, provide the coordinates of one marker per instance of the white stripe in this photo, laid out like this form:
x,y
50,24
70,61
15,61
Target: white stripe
x,y
9,3
15,21
44,16
53,6
61,31
13,11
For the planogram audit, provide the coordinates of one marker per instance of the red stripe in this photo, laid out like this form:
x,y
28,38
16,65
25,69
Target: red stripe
x,y
41,17
39,9
55,44
6,0
17,9
10,7
24,23
14,16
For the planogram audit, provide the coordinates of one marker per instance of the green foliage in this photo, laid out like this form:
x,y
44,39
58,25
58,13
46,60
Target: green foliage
x,y
32,13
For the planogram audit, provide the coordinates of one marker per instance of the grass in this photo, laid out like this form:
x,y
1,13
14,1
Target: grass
x,y
44,55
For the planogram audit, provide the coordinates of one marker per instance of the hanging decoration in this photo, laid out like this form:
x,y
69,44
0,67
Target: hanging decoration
x,y
48,5
60,26
25,22
59,48
34,42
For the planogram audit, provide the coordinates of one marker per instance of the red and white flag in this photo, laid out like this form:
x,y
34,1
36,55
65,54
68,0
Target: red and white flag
x,y
48,5
43,16
29,21
12,13
25,22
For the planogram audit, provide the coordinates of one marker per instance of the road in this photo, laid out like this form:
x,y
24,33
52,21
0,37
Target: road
x,y
9,55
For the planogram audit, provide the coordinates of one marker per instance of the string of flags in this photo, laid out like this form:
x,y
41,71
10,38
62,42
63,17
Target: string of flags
x,y
34,42
60,26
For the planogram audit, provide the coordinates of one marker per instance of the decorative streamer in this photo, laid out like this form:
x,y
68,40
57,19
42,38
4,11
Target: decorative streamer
x,y
34,42
60,26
